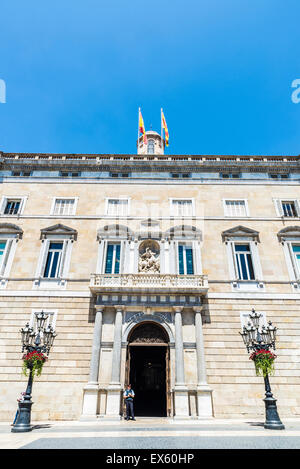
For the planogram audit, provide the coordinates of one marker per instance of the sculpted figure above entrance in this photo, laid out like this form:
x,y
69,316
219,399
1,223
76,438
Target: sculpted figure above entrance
x,y
149,257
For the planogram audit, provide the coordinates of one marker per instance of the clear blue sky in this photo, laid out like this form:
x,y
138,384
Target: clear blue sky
x,y
77,71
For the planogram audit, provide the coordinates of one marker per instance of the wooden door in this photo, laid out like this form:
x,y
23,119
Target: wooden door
x,y
168,384
127,377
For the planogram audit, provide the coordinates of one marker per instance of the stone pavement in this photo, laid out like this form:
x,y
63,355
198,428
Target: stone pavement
x,y
150,433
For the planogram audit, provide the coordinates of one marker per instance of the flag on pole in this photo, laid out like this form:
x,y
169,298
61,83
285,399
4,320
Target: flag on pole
x,y
142,127
164,126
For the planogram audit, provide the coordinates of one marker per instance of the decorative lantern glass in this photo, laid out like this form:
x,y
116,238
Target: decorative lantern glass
x,y
41,319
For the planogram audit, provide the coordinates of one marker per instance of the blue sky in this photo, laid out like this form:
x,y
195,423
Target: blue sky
x,y
76,73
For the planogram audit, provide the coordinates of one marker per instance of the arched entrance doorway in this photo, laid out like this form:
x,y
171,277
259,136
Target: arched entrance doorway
x,y
148,370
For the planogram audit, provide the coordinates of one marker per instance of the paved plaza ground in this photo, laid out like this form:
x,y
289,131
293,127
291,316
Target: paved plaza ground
x,y
153,434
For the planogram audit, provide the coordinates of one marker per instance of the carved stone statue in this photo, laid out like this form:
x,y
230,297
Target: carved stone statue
x,y
149,262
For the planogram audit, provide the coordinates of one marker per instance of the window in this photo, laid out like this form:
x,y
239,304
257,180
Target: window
x,y
244,262
151,147
12,205
182,207
55,256
112,265
21,173
120,175
117,207
69,174
53,262
279,176
2,251
287,208
180,175
9,236
296,253
289,238
245,272
64,206
229,175
185,260
236,208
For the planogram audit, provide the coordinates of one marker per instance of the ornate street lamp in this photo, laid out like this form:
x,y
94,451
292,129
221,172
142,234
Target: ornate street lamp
x,y
39,341
261,339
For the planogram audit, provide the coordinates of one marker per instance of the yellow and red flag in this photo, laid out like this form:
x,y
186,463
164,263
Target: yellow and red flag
x,y
164,126
142,127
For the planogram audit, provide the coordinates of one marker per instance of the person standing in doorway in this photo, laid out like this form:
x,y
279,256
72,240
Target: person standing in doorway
x,y
128,396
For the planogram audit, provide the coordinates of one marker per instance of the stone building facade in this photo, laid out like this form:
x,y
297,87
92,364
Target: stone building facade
x,y
148,266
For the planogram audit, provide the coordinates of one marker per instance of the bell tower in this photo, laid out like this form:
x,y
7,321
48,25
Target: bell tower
x,y
155,144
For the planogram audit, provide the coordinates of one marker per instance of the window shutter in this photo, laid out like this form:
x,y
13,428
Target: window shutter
x,y
189,261
278,207
6,254
109,259
117,259
180,260
63,259
297,205
45,250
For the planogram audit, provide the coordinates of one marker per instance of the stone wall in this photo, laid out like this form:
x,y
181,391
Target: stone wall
x,y
237,392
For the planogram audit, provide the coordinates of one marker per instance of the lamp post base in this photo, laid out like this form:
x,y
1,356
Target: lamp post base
x,y
23,421
272,421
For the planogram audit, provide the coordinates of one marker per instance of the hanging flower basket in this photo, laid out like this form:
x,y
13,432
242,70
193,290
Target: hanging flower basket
x,y
33,361
264,362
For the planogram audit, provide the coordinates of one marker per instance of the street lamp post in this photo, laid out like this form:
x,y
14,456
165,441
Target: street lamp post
x,y
256,339
41,341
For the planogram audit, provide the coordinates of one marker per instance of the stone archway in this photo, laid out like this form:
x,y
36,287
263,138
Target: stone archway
x,y
148,369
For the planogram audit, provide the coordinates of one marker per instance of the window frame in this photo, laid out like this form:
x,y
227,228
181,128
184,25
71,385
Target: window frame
x,y
243,235
185,246
54,200
113,264
6,198
60,234
238,262
152,141
279,208
172,203
107,205
246,206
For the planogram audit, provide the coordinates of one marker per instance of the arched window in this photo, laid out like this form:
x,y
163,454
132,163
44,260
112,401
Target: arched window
x,y
151,147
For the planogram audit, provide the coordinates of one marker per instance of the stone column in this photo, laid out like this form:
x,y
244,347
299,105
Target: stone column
x,y
180,389
204,397
114,388
90,398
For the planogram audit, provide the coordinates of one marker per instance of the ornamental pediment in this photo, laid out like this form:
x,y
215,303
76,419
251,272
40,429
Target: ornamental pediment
x,y
10,228
115,231
289,232
58,229
240,231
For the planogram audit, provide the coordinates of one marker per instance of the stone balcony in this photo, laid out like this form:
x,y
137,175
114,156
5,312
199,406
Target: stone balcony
x,y
149,283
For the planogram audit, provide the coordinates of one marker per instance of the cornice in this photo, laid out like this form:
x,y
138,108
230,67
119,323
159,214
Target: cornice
x,y
148,163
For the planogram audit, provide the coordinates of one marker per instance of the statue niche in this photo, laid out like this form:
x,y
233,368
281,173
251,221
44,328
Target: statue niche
x,y
149,257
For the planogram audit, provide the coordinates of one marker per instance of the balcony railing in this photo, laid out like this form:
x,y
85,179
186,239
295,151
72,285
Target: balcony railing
x,y
151,282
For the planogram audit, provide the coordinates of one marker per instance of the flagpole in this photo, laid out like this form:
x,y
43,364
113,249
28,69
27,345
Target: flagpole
x,y
138,130
161,129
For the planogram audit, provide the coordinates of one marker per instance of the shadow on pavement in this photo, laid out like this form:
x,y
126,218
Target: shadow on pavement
x,y
36,427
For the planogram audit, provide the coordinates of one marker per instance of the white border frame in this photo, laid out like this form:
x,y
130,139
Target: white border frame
x,y
232,199
278,207
107,199
173,199
75,198
4,200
